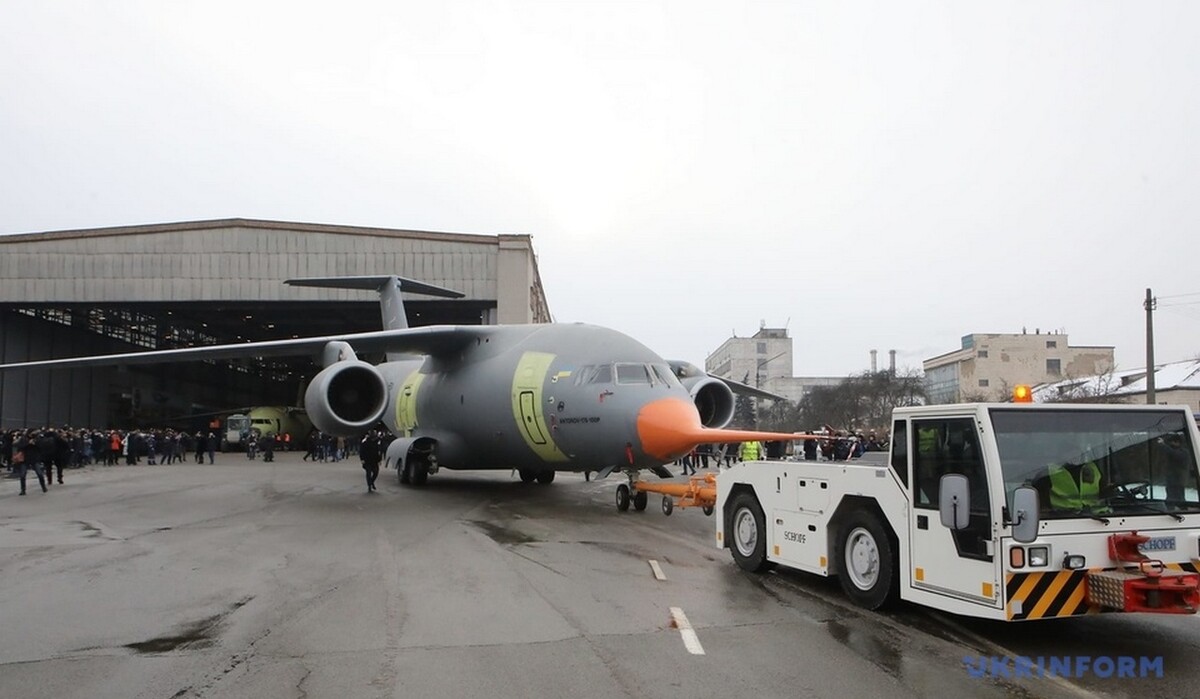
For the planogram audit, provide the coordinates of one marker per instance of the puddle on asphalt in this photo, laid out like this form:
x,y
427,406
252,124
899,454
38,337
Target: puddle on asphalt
x,y
91,529
195,636
869,645
502,535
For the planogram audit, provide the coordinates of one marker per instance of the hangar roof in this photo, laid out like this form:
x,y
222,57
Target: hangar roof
x,y
246,260
162,286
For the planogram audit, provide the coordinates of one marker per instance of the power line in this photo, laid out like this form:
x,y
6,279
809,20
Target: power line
x,y
1179,296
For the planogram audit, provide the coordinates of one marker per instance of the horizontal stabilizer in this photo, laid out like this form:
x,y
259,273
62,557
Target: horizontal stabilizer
x,y
373,283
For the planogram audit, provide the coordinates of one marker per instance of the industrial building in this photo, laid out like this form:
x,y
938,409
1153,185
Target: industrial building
x,y
764,360
988,365
164,286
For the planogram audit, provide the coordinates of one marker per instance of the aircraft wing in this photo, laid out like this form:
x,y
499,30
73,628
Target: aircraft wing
x,y
432,339
739,387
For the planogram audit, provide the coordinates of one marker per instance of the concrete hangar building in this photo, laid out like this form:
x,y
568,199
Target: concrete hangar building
x,y
111,290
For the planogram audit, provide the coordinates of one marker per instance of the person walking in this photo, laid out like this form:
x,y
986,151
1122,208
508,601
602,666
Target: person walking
x,y
371,453
47,446
689,463
267,445
26,449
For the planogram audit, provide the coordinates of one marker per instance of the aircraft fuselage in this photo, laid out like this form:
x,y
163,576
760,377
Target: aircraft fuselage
x,y
560,396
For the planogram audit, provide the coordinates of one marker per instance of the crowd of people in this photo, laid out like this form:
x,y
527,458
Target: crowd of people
x,y
831,445
48,451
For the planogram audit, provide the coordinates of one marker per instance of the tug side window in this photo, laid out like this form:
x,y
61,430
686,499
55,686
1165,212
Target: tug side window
x,y
900,450
952,446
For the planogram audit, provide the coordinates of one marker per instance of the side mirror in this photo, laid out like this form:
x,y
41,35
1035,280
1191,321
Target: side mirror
x,y
954,501
1025,514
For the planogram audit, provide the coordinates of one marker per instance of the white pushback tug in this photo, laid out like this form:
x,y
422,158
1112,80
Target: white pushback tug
x,y
989,510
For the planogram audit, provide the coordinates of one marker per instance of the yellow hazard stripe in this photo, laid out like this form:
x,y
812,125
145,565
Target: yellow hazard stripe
x,y
1046,595
1051,594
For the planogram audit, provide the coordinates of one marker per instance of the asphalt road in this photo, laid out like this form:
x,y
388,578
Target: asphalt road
x,y
246,579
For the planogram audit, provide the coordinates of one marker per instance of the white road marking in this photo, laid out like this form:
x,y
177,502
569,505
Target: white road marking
x,y
690,640
658,574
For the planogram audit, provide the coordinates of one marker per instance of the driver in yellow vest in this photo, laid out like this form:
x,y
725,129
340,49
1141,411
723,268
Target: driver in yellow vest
x,y
750,451
1074,492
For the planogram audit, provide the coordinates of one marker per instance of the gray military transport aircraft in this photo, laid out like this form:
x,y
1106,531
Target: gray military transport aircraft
x,y
536,398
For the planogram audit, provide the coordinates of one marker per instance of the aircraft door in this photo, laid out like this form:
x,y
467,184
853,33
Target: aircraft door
x,y
955,563
406,403
528,405
529,418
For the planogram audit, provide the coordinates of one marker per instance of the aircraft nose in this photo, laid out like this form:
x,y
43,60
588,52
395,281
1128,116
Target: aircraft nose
x,y
668,428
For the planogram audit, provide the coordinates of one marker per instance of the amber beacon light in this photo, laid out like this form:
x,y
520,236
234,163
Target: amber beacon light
x,y
1022,394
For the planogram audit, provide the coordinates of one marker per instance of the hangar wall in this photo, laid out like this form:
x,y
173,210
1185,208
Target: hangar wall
x,y
79,396
240,260
152,269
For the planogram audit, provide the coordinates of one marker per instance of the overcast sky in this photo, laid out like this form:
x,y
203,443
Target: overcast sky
x,y
874,176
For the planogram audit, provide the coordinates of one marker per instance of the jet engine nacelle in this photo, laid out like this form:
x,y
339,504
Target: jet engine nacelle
x,y
713,399
346,398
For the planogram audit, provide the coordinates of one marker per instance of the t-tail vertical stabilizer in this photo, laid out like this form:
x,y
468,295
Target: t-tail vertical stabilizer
x,y
391,304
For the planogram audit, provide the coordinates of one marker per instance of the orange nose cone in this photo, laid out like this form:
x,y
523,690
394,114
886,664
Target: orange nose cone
x,y
668,428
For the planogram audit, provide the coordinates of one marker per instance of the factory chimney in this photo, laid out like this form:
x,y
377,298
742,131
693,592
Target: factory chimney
x,y
892,361
873,353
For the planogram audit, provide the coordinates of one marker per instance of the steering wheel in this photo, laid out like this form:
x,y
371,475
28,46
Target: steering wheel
x,y
1133,490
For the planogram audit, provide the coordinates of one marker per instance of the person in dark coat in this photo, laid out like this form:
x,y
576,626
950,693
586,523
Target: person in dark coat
x,y
47,446
62,455
267,446
27,445
371,453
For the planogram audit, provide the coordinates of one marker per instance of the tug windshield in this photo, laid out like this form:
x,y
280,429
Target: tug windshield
x,y
1097,463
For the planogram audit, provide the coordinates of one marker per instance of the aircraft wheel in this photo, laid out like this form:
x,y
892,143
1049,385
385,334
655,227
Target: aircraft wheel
x,y
405,473
545,477
622,497
668,505
639,500
866,559
707,510
527,475
420,473
748,534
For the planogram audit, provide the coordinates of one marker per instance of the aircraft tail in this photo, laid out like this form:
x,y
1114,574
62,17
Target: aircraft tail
x,y
389,287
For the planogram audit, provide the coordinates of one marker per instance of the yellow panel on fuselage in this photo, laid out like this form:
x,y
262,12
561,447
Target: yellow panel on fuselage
x,y
406,403
528,405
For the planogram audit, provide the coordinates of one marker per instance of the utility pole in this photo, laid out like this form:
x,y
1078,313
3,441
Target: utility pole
x,y
1150,305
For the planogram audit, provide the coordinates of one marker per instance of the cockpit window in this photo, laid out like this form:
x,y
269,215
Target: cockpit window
x,y
633,374
603,374
664,374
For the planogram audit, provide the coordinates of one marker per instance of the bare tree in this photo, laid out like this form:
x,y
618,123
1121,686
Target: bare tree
x,y
1101,388
862,402
779,416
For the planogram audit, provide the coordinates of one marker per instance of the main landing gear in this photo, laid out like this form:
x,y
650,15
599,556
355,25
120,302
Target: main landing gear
x,y
529,475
